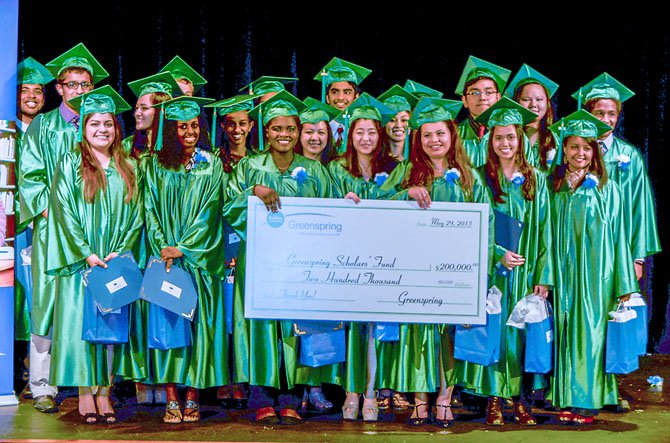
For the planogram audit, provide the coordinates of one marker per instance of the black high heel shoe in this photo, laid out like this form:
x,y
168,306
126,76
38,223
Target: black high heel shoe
x,y
418,421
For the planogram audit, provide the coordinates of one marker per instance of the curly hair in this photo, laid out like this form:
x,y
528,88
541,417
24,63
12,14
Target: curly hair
x,y
171,155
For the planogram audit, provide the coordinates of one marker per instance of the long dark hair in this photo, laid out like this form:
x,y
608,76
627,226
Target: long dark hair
x,y
224,146
544,136
171,155
92,173
597,166
422,172
381,161
141,142
493,168
327,155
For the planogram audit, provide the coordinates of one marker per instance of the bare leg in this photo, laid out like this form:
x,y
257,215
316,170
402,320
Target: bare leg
x,y
87,405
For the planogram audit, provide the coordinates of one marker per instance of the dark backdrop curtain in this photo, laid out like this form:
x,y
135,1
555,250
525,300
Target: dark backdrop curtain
x,y
233,44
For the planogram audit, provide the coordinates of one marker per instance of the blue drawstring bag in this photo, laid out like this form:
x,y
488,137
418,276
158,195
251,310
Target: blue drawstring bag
x,y
103,329
167,330
387,332
322,349
636,303
228,286
539,353
481,343
621,353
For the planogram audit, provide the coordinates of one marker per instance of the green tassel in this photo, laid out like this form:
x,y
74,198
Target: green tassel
x,y
345,133
260,129
324,74
214,129
405,151
159,136
579,99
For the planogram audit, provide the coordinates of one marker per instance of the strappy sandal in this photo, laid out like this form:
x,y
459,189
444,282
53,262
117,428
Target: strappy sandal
x,y
172,413
418,421
399,401
350,409
90,418
191,411
370,408
383,402
446,422
319,401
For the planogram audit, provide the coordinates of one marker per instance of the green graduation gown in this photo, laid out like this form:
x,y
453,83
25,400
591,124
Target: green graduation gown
x,y
412,364
637,198
355,366
21,308
504,379
257,343
182,209
48,137
593,268
475,147
76,230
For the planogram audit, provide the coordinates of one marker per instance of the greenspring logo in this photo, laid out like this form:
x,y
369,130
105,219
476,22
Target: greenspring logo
x,y
275,219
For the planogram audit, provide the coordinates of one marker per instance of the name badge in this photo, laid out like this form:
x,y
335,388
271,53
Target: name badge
x,y
116,285
171,289
233,238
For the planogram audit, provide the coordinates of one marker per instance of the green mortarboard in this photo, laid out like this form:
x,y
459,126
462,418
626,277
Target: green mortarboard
x,y
228,106
181,108
579,123
180,69
419,90
398,99
368,107
476,67
78,57
338,70
282,104
103,100
603,86
267,84
317,111
432,110
506,112
161,82
528,75
32,72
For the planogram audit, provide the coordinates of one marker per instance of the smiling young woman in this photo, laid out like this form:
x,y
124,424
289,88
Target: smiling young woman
x,y
278,172
96,213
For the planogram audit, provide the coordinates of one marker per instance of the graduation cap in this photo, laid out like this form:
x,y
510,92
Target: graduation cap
x,y
338,70
528,75
228,106
419,90
32,72
161,82
432,110
266,84
317,111
476,67
603,86
180,69
103,100
581,124
78,57
398,99
282,104
506,112
178,109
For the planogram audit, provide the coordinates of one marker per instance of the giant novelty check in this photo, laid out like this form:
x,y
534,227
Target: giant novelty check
x,y
332,259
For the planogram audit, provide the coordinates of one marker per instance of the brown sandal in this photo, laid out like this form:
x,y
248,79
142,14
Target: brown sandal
x,y
191,411
172,413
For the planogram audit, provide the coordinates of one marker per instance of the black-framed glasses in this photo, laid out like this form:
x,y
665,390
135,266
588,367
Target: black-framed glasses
x,y
74,85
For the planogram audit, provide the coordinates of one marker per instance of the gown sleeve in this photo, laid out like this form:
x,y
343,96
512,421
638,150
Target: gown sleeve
x,y
33,180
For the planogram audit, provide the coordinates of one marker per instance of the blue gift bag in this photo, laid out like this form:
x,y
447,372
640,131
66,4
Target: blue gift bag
x,y
322,349
167,330
539,353
228,286
621,353
636,303
103,329
387,332
479,343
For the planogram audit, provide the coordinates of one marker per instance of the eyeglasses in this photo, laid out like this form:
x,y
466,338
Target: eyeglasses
x,y
487,93
75,85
